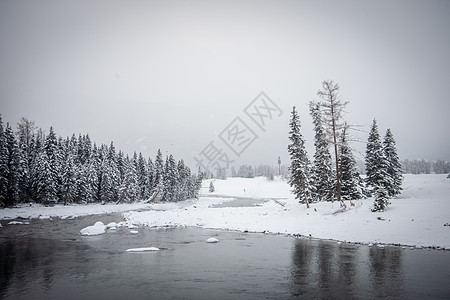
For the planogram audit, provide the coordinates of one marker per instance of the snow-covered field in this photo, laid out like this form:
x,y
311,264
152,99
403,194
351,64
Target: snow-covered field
x,y
415,218
419,217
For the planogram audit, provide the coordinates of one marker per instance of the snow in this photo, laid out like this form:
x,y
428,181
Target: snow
x,y
134,231
18,223
212,240
415,218
96,229
149,249
38,211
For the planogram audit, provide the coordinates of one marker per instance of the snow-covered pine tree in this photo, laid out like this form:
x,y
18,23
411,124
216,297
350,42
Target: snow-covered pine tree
x,y
377,178
299,168
394,168
211,187
351,183
69,180
322,173
159,169
13,165
170,179
129,189
52,167
142,177
150,178
3,166
198,182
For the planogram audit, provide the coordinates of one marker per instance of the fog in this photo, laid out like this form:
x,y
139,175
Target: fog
x,y
175,74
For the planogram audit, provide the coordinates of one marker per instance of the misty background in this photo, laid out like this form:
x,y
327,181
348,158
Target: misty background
x,y
174,74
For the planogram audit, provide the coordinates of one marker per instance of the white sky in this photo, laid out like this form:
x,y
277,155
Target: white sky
x,y
174,74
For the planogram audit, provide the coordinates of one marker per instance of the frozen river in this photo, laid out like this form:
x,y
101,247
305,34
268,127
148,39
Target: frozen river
x,y
48,259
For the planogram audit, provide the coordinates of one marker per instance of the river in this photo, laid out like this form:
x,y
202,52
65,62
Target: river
x,y
48,259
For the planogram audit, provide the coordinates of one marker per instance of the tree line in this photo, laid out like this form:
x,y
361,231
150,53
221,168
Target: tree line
x,y
421,166
48,169
333,175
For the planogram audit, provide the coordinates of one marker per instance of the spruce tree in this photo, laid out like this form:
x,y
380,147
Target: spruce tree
x,y
3,166
351,183
142,176
394,168
129,189
322,176
211,187
299,168
377,178
13,165
159,169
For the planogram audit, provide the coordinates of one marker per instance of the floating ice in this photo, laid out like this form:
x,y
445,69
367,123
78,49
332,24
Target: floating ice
x,y
96,229
212,240
148,249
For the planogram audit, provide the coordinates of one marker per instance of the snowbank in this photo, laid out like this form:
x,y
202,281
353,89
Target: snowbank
x,y
35,211
415,218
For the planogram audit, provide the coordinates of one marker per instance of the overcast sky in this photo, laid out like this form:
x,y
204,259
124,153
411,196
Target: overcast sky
x,y
175,74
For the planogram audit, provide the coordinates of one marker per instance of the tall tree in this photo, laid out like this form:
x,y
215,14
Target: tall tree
x,y
333,108
351,183
377,177
299,168
13,165
129,189
142,176
394,168
322,173
3,166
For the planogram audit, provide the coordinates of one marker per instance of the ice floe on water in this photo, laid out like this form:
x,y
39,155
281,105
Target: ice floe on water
x,y
147,249
96,229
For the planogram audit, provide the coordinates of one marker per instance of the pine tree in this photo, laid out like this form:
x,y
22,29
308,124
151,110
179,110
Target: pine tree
x,y
170,179
142,177
299,168
211,187
52,164
322,176
377,178
13,173
129,189
3,166
198,183
159,169
150,179
351,183
394,168
69,180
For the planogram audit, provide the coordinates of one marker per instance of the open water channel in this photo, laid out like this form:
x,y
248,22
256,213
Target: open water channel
x,y
48,259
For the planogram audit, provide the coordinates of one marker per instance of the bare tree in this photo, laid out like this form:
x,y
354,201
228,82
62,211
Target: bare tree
x,y
333,109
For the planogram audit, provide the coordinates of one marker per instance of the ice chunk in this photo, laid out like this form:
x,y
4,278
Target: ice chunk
x,y
112,225
148,249
212,240
134,231
96,229
18,223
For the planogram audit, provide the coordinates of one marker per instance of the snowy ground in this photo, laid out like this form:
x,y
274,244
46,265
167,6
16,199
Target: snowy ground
x,y
415,218
37,211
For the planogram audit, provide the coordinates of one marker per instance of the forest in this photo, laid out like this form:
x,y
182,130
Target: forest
x,y
50,169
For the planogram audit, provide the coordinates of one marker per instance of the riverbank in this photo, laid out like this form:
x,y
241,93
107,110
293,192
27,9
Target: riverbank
x,y
418,217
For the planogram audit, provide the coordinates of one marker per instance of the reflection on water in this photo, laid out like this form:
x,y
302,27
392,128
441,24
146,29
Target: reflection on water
x,y
64,265
386,271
